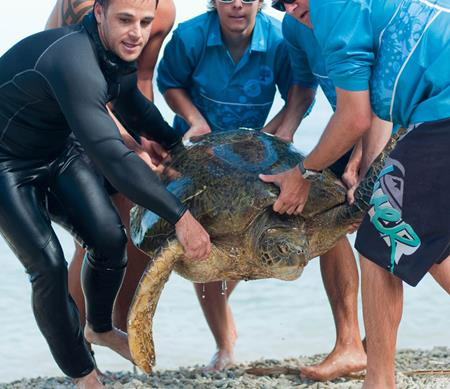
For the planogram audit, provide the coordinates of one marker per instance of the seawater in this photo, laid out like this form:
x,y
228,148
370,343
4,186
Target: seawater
x,y
274,319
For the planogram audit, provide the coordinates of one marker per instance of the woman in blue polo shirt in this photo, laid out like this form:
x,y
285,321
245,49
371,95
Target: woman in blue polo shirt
x,y
219,72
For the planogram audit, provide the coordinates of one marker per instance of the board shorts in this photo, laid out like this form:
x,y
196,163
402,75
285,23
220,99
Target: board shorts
x,y
407,228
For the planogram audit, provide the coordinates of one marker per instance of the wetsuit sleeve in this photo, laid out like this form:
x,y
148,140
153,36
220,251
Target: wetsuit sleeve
x,y
81,93
176,67
141,116
301,71
344,31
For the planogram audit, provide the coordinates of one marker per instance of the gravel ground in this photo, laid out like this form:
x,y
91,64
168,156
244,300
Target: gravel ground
x,y
411,365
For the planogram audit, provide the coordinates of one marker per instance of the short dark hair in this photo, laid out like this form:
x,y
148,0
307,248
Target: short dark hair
x,y
105,3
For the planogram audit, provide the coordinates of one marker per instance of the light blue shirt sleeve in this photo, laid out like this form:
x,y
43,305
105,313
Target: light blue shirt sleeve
x,y
343,29
176,66
301,71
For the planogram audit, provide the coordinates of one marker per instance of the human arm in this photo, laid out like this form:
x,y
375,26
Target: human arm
x,y
286,122
84,107
348,53
301,91
180,102
175,72
141,116
53,19
372,143
68,12
349,122
162,24
147,151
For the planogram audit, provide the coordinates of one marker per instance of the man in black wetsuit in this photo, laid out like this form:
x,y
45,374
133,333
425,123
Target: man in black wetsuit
x,y
53,83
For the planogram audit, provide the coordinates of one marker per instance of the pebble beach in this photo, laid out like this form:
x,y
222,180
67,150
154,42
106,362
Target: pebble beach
x,y
415,369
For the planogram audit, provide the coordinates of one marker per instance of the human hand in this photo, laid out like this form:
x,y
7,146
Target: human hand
x,y
284,135
193,237
156,152
141,153
294,190
351,180
196,130
279,133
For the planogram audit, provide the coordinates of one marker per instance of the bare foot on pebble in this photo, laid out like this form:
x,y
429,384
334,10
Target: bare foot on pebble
x,y
337,364
90,381
115,339
221,360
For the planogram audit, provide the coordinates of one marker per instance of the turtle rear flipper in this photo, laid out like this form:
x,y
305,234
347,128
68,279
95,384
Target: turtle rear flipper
x,y
140,316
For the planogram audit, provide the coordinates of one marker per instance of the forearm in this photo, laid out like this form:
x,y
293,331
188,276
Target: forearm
x,y
129,141
298,103
374,141
346,126
145,85
354,162
272,126
180,102
54,20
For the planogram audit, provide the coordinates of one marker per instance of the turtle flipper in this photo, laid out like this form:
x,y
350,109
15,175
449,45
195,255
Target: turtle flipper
x,y
140,316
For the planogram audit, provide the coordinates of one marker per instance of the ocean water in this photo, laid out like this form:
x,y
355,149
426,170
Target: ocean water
x,y
275,319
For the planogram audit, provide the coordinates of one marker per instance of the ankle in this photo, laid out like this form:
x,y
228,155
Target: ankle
x,y
379,381
89,381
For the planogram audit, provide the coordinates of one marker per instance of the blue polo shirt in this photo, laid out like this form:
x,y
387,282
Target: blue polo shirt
x,y
308,65
399,49
229,95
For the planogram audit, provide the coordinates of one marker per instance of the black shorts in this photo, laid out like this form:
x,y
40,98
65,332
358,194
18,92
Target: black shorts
x,y
407,229
339,166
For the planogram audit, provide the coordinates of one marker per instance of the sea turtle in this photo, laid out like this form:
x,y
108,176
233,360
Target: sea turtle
x,y
217,177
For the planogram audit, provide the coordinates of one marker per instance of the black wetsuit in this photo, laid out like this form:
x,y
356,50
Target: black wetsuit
x,y
51,84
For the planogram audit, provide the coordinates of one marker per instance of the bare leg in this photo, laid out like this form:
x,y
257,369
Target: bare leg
x,y
137,262
74,281
441,273
382,296
89,381
340,278
218,314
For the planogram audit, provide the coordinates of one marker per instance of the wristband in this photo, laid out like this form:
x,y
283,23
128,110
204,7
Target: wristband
x,y
307,172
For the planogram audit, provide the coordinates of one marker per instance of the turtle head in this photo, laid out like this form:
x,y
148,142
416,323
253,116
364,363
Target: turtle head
x,y
281,247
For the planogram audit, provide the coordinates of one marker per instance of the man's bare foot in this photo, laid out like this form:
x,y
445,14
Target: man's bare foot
x,y
90,381
115,339
338,363
221,360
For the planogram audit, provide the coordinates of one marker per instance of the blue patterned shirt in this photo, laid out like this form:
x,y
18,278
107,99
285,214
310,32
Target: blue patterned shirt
x,y
399,49
308,64
227,94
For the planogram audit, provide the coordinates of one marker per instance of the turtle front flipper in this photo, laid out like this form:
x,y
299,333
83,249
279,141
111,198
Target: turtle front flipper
x,y
140,316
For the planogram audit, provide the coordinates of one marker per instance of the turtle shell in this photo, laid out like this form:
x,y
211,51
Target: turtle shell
x,y
216,176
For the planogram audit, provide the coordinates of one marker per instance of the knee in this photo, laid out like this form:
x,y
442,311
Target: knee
x,y
48,265
109,249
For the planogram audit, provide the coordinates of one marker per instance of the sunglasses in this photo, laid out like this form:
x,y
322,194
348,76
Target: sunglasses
x,y
279,5
232,1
